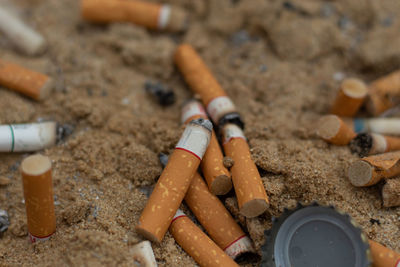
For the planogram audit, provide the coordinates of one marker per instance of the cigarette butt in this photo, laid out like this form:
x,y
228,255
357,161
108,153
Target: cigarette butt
x,y
21,35
217,176
38,194
143,254
27,137
350,97
30,83
203,83
389,126
151,15
250,191
383,256
370,144
370,170
391,193
197,244
216,220
334,130
384,93
174,181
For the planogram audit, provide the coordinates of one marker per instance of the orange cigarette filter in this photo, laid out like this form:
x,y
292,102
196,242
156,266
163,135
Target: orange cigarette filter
x,y
216,220
250,191
30,83
38,194
151,15
350,97
384,93
334,130
203,83
383,256
217,176
174,181
370,170
197,244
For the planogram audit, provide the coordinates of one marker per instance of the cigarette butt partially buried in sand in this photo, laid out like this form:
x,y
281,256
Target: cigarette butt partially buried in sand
x,y
197,244
174,181
391,193
334,130
143,254
151,15
24,37
203,83
217,176
384,93
370,144
350,97
27,137
383,256
370,170
30,83
389,126
38,194
249,188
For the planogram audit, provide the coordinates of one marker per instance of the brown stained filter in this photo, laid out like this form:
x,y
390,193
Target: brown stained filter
x,y
250,191
370,170
383,256
30,83
334,130
384,93
350,97
38,194
197,244
212,214
391,193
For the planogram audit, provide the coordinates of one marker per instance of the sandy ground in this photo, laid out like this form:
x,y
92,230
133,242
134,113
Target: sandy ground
x,y
280,61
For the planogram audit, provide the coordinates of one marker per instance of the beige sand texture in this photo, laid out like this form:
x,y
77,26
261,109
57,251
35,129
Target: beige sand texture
x,y
281,67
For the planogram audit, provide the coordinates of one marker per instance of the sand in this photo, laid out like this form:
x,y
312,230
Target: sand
x,y
280,61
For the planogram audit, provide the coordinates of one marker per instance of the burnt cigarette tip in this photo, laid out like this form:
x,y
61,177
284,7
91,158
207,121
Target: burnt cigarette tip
x,y
360,173
36,165
361,144
234,118
204,123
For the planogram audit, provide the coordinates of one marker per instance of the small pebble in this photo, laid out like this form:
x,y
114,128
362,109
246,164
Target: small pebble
x,y
4,180
228,162
164,95
4,222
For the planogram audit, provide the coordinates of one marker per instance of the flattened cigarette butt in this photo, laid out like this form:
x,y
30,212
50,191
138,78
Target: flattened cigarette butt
x,y
383,256
174,181
151,15
143,254
27,137
27,82
370,170
197,244
38,194
366,144
384,93
350,97
389,126
334,130
217,176
203,83
21,35
249,188
391,193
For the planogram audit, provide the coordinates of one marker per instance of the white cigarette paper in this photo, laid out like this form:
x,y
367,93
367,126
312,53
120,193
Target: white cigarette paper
x,y
27,137
24,37
143,255
389,126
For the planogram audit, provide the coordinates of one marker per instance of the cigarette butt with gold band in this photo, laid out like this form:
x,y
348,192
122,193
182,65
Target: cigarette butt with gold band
x,y
391,193
384,93
334,130
151,15
197,244
383,256
38,194
249,188
174,181
389,126
350,97
217,176
30,83
370,170
370,144
203,83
